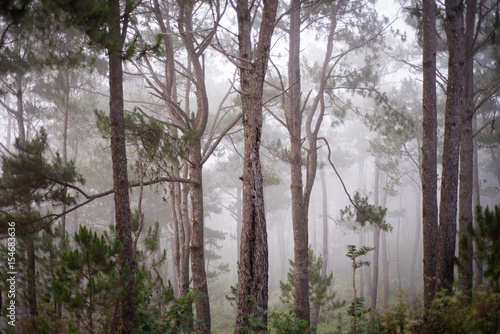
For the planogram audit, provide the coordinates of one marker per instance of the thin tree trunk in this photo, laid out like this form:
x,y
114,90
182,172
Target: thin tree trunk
x,y
451,146
478,263
238,218
385,266
197,242
9,131
429,151
416,243
30,246
375,267
31,277
325,232
254,265
376,240
361,271
65,138
495,164
299,209
199,123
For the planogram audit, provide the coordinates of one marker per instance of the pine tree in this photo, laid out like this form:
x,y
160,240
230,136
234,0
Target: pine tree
x,y
87,282
29,180
317,289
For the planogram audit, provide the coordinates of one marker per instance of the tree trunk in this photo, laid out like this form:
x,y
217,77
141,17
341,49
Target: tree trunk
x,y
185,25
20,108
429,151
467,154
374,265
495,164
31,277
451,146
413,288
127,267
299,209
361,272
254,265
30,271
376,241
478,263
197,242
65,139
325,222
385,267
238,219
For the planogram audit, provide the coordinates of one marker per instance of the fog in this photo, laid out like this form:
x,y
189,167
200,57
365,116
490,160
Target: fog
x,y
369,142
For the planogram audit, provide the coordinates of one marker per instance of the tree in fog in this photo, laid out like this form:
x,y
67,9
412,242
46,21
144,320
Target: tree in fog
x,y
479,90
254,266
193,135
109,31
429,150
332,19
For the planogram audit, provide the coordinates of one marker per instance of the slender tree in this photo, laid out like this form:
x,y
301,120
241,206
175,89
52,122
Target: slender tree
x,y
109,31
429,150
467,150
451,145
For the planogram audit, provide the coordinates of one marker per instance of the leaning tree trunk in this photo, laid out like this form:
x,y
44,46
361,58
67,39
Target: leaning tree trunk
x,y
254,265
429,151
451,145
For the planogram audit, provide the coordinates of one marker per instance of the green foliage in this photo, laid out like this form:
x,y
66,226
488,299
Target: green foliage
x,y
356,310
278,322
287,323
460,314
365,213
354,253
180,315
318,285
28,179
212,239
156,139
87,282
487,240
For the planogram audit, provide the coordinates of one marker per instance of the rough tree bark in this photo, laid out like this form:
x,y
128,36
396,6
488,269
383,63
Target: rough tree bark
x,y
467,153
254,266
185,24
293,116
429,150
451,146
127,266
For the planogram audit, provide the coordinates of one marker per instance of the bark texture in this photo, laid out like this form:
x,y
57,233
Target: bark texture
x,y
467,153
254,265
451,145
127,266
429,151
185,24
293,114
